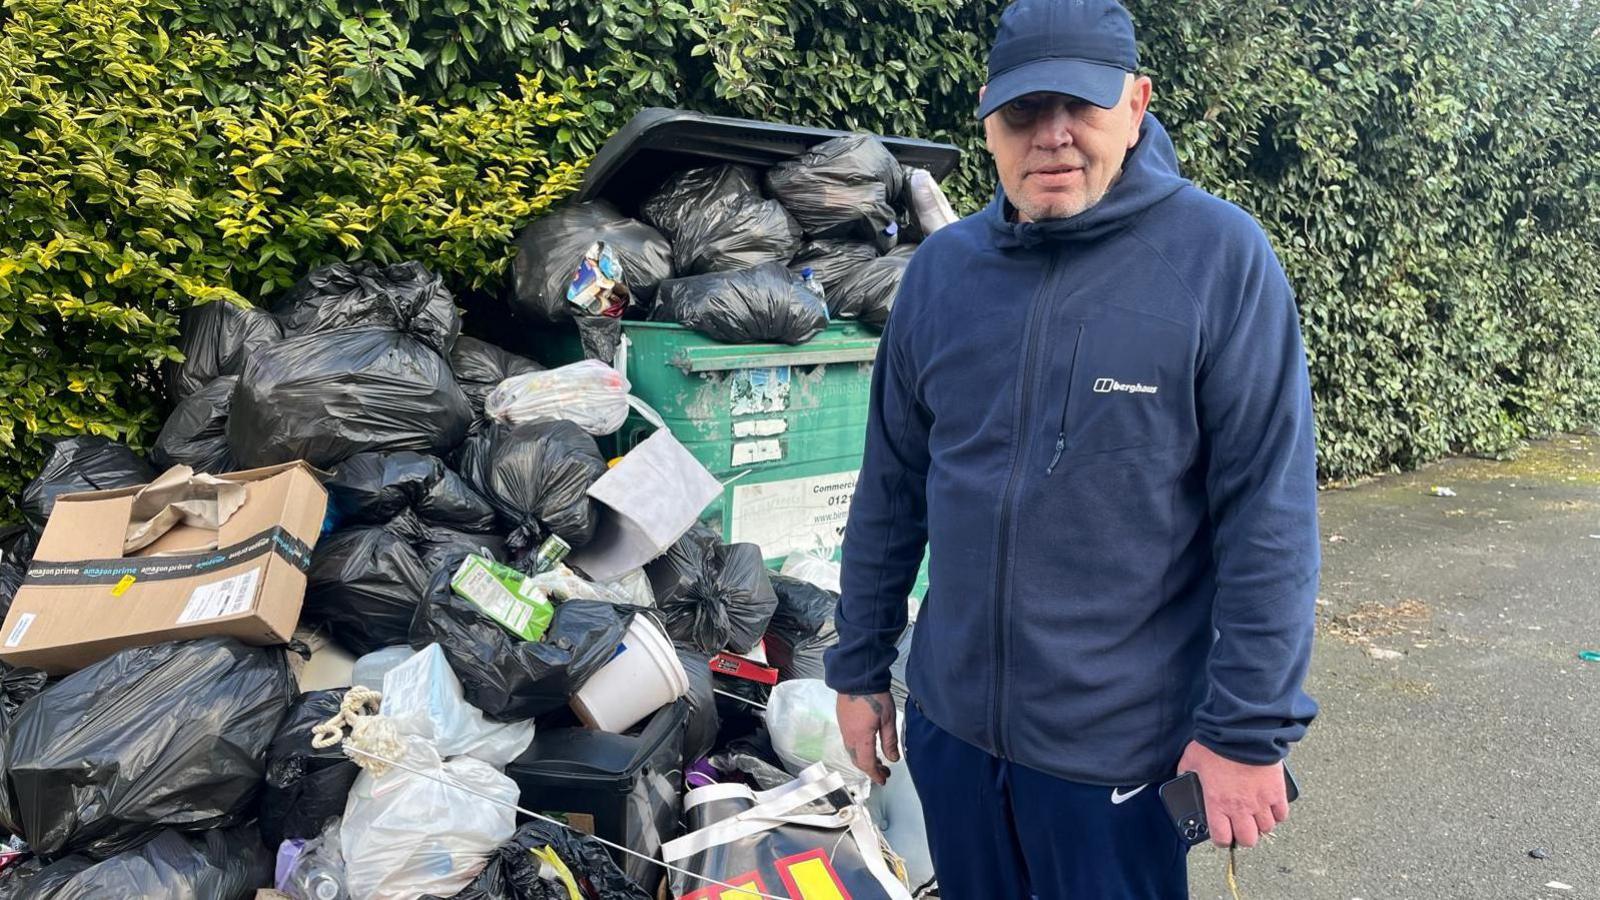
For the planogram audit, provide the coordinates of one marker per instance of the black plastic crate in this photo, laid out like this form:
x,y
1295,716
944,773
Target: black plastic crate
x,y
626,788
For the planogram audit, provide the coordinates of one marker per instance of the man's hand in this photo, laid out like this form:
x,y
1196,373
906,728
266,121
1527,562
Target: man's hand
x,y
1243,801
864,721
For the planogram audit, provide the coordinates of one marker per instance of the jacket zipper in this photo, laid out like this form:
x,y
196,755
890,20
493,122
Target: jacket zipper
x,y
1008,500
1066,405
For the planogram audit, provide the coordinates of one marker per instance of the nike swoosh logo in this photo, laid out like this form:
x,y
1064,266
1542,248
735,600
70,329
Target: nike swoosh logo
x,y
1118,797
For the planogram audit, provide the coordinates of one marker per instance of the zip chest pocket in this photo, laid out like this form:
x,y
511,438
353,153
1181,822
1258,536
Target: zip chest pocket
x,y
1066,402
1124,386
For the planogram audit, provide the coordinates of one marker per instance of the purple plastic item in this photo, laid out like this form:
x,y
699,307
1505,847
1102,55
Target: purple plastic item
x,y
289,853
701,773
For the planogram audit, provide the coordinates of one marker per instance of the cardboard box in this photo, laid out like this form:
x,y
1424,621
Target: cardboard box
x,y
84,599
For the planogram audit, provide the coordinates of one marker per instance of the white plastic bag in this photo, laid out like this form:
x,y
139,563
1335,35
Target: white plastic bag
x,y
370,668
562,584
405,836
589,393
631,587
929,202
423,697
816,566
897,811
802,718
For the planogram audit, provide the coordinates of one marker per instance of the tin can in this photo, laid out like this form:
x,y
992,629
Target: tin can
x,y
550,554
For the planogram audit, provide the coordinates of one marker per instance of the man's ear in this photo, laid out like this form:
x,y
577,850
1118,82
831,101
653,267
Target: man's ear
x,y
1138,102
984,89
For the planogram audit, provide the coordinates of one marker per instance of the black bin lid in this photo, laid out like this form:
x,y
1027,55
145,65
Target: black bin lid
x,y
659,141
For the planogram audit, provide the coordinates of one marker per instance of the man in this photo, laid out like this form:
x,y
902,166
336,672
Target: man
x,y
1091,404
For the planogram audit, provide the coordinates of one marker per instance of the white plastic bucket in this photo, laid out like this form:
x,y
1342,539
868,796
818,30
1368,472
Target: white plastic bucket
x,y
643,677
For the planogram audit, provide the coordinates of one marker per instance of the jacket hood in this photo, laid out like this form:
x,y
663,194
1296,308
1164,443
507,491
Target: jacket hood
x,y
1149,175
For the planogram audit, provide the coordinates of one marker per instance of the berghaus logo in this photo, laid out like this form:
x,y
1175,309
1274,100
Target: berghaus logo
x,y
1111,385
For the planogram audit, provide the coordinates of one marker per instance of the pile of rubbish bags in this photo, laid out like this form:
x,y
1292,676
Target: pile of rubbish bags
x,y
740,254
463,711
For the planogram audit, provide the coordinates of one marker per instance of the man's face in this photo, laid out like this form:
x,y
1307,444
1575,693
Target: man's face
x,y
1057,155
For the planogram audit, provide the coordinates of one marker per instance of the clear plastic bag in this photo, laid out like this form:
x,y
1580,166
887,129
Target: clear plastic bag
x,y
631,588
588,393
317,870
816,565
480,367
802,720
424,699
406,836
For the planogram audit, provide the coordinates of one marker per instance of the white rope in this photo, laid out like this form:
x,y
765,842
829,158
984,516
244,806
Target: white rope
x,y
449,782
357,712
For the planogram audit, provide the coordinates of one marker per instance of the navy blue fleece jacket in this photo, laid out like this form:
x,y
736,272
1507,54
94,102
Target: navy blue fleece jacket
x,y
1100,427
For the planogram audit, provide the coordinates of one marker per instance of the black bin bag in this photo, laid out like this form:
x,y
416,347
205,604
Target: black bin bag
x,y
403,297
801,630
843,188
831,260
372,488
168,736
803,609
700,735
306,787
228,864
712,596
196,433
16,553
551,247
718,221
82,463
868,292
18,685
766,303
366,368
537,477
216,338
509,678
324,397
366,581
513,872
480,367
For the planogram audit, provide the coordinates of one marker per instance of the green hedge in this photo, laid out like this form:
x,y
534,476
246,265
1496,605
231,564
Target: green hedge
x,y
1426,169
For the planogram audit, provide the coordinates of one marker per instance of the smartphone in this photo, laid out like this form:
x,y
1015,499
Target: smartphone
x,y
1186,804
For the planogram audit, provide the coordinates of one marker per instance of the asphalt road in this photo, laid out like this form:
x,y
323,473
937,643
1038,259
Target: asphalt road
x,y
1432,775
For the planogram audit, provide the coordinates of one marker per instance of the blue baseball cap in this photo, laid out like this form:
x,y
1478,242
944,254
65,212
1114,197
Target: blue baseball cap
x,y
1084,48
